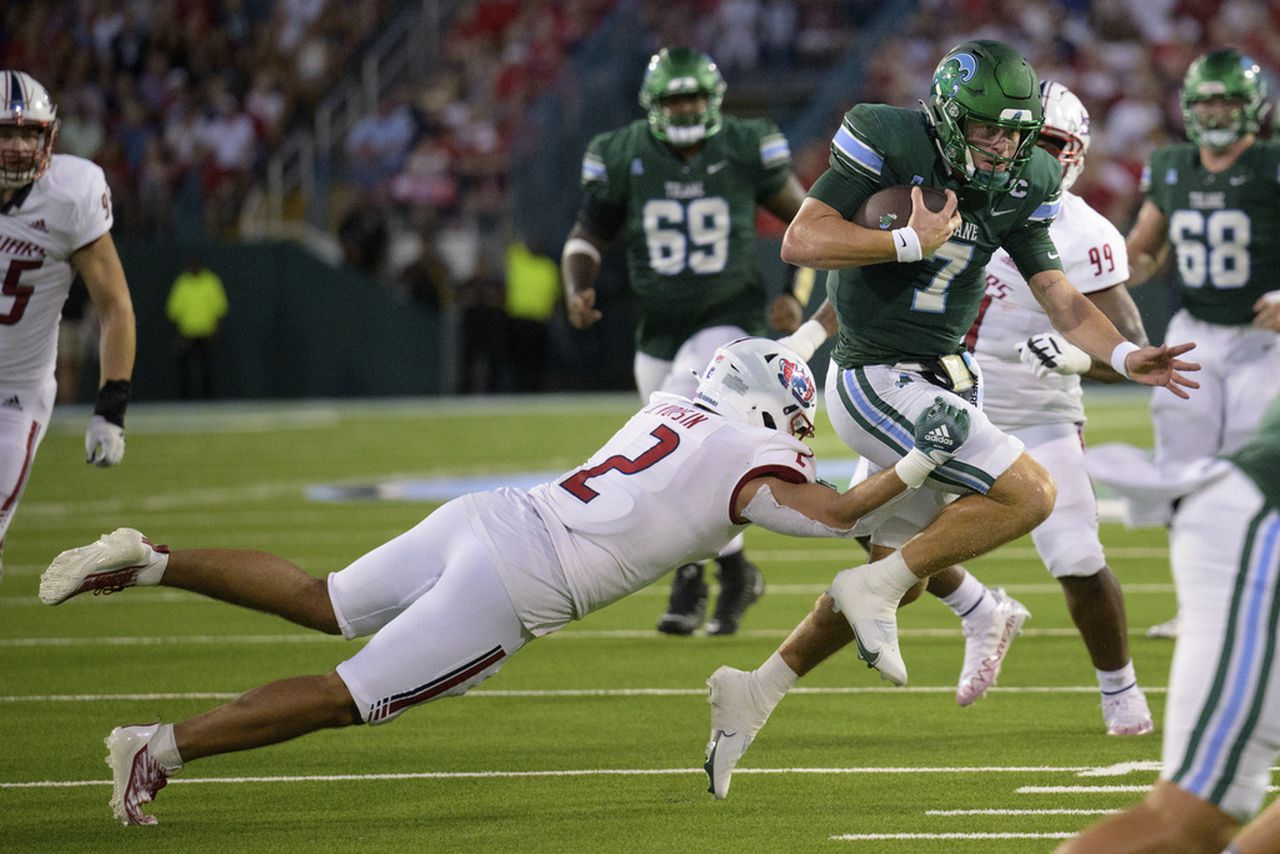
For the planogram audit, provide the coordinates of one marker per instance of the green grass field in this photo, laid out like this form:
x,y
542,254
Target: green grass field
x,y
589,740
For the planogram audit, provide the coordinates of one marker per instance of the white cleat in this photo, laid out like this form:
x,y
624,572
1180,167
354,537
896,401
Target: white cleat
x,y
117,560
736,717
1168,629
986,642
135,775
874,621
1127,713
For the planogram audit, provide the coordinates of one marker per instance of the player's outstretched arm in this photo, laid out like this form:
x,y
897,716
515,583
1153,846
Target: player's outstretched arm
x,y
579,269
814,510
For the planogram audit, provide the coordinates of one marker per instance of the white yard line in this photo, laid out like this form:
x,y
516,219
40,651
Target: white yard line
x,y
947,813
882,837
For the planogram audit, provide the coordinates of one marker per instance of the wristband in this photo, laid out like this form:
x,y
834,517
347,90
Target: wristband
x,y
807,339
578,246
913,468
1123,349
907,244
113,398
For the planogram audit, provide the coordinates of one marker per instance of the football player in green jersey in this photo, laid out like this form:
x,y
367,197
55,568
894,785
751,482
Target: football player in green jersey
x,y
1222,714
1216,201
901,301
680,188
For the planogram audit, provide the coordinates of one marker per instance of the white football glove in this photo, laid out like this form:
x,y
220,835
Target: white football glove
x,y
103,442
1050,353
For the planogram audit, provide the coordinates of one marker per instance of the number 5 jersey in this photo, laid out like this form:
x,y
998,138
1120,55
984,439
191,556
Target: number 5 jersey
x,y
43,224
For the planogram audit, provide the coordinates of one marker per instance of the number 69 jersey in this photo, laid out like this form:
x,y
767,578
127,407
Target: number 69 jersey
x,y
659,494
1223,227
44,223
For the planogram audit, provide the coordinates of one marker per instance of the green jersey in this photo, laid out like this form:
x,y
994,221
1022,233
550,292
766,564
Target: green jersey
x,y
689,226
1224,226
1260,458
891,312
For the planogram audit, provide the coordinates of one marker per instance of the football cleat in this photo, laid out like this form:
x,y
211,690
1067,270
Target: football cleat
x,y
736,717
986,642
1126,713
135,775
688,602
1168,629
121,559
738,590
874,621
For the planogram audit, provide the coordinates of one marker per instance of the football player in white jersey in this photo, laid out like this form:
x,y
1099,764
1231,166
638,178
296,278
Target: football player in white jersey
x,y
55,223
1032,384
446,603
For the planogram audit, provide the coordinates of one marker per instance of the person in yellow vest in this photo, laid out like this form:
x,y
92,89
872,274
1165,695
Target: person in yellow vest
x,y
197,303
533,291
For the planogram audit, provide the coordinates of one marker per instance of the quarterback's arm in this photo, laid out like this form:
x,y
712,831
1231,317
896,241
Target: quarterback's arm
x,y
1089,329
813,510
579,268
99,266
1147,243
1121,310
821,238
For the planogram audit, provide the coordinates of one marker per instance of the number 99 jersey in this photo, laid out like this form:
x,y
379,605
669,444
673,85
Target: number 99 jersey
x,y
688,226
44,223
659,494
1224,227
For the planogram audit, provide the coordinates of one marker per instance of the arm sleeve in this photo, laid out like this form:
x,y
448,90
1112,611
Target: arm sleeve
x,y
775,160
92,215
603,211
855,165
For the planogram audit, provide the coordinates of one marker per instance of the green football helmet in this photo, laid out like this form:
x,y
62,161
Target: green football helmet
x,y
682,71
989,82
1228,75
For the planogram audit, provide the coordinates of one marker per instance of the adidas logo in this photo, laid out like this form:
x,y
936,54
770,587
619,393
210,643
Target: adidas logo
x,y
12,403
39,225
939,434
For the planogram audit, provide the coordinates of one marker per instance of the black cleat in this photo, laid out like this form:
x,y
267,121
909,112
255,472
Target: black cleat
x,y
688,602
738,590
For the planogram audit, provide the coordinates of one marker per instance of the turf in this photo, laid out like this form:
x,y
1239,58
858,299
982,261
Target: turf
x,y
607,699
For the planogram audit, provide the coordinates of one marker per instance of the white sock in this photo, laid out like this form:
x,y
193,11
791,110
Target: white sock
x,y
156,565
890,577
773,680
1117,681
164,749
970,601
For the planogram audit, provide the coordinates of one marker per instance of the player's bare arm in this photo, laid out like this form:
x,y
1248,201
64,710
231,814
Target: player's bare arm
x,y
1122,311
1267,311
1089,329
1147,243
821,238
579,268
103,275
815,510
786,312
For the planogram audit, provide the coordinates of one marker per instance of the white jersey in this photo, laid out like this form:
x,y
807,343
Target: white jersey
x,y
65,209
659,494
1094,259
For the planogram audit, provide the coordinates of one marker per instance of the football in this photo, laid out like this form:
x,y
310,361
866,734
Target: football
x,y
891,207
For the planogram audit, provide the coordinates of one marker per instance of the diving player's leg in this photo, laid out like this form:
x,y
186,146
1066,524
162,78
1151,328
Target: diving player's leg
x,y
1069,546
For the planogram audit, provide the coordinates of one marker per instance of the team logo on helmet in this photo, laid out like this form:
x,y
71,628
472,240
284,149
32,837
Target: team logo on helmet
x,y
797,381
956,70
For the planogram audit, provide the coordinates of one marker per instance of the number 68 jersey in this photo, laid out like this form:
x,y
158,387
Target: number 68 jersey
x,y
659,494
45,222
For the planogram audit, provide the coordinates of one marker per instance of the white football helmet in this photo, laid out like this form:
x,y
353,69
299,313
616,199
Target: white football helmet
x,y
1066,129
24,103
763,383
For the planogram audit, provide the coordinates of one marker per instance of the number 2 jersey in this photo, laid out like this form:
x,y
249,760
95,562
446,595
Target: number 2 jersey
x,y
1094,257
1224,227
659,494
689,226
65,209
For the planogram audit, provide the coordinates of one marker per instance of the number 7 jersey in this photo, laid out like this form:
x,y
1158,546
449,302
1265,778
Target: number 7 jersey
x,y
44,223
659,494
1224,227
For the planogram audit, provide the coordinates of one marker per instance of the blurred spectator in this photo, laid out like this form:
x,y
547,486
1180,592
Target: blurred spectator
x,y
197,303
377,145
481,342
533,292
363,236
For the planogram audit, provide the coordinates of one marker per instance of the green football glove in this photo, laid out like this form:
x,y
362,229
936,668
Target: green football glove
x,y
941,430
